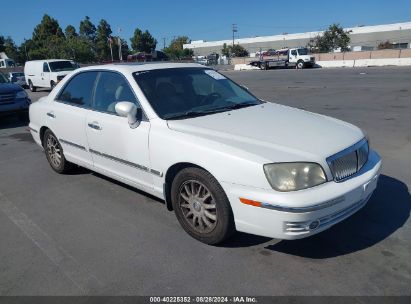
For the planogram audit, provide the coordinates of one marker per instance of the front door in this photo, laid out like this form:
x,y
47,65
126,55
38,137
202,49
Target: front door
x,y
117,149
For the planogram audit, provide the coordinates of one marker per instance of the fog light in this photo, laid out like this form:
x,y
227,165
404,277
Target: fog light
x,y
314,225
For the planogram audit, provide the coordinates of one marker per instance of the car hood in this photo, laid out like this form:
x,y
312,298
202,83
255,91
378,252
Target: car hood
x,y
9,88
274,132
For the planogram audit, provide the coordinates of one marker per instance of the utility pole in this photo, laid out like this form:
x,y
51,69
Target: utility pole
x,y
235,30
25,49
164,43
120,55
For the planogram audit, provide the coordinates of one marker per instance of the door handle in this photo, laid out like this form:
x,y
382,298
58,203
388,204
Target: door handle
x,y
51,114
94,125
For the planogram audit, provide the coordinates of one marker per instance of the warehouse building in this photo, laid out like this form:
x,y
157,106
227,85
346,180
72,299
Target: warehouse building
x,y
362,38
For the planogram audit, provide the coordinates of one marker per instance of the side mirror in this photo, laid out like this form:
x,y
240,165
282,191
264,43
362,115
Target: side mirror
x,y
129,110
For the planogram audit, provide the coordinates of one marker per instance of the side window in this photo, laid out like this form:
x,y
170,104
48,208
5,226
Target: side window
x,y
79,90
294,52
46,67
112,88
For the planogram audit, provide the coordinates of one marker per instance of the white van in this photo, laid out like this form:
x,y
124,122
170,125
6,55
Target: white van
x,y
46,73
7,63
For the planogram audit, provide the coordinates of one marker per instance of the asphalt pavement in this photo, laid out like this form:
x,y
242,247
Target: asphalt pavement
x,y
85,234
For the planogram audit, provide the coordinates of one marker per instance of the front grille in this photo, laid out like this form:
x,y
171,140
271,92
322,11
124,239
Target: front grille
x,y
7,97
349,161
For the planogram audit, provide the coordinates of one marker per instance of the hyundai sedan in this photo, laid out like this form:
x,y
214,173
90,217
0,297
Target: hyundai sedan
x,y
222,159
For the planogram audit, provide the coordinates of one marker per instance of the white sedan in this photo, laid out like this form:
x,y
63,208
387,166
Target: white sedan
x,y
222,159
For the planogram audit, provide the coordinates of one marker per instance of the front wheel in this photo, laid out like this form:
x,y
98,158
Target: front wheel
x,y
52,85
201,206
54,153
300,65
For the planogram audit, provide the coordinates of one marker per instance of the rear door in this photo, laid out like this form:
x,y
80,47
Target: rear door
x,y
45,75
67,116
117,149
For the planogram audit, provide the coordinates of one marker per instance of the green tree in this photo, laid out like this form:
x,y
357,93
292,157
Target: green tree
x,y
176,50
70,32
333,38
48,40
88,29
226,50
12,50
1,43
125,51
143,41
238,51
101,43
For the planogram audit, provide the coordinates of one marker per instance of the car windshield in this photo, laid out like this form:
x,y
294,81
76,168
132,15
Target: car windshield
x,y
179,93
3,79
303,51
59,66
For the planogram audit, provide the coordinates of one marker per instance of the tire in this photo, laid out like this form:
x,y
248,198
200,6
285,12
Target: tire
x,y
201,206
263,66
300,65
32,87
54,153
52,85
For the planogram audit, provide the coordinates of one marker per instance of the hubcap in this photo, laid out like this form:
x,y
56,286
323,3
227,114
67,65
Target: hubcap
x,y
54,151
198,206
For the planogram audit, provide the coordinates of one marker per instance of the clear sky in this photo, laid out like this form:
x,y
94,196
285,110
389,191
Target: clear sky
x,y
206,19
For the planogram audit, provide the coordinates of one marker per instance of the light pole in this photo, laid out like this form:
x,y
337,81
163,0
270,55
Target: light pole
x,y
25,49
235,30
120,55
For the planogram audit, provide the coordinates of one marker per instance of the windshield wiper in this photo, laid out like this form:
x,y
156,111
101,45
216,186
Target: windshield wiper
x,y
191,113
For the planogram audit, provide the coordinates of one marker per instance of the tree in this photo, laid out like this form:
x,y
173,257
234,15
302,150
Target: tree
x,y
124,48
226,50
176,50
101,42
237,51
48,40
385,45
88,29
11,50
1,43
333,38
70,32
143,42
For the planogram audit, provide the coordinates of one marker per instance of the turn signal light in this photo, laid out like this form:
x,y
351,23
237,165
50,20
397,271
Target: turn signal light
x,y
250,202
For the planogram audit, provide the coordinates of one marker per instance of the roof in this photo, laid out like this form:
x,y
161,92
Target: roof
x,y
307,35
141,66
49,60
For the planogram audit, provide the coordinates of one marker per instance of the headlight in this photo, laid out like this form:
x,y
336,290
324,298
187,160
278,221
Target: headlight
x,y
21,94
294,176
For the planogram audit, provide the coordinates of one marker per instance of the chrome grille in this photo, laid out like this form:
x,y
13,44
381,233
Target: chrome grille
x,y
349,161
7,97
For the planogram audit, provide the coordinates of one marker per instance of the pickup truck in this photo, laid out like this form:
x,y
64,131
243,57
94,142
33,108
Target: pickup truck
x,y
294,57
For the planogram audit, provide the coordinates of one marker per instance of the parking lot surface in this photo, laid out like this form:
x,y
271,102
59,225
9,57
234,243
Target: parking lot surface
x,y
86,234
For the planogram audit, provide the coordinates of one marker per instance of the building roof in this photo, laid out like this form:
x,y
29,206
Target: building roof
x,y
307,35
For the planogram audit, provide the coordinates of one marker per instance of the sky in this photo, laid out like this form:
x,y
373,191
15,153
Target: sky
x,y
203,20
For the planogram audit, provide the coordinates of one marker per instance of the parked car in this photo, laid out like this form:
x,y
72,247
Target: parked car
x,y
222,159
46,73
7,63
17,78
13,99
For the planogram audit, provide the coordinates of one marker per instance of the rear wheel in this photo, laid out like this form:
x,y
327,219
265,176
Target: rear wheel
x,y
201,206
54,153
32,87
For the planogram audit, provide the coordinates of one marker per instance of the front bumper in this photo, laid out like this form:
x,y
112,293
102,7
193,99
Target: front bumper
x,y
15,106
299,214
